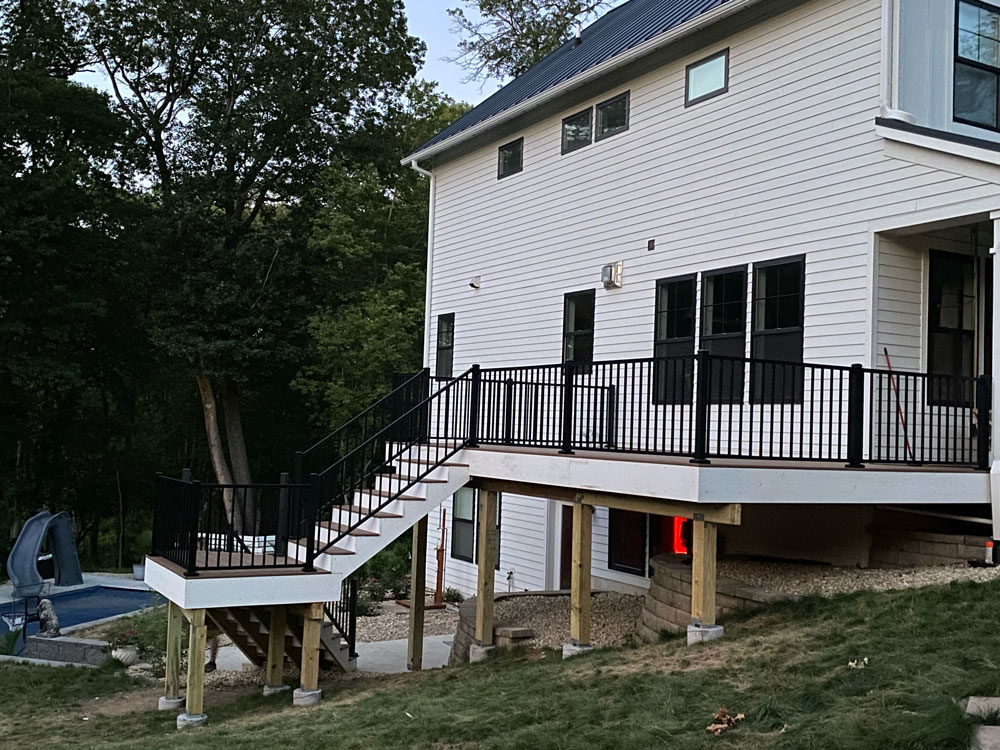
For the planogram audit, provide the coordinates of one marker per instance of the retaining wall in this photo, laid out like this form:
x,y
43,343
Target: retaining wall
x,y
68,649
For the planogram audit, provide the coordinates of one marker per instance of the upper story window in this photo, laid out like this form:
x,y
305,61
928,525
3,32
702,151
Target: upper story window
x,y
445,345
707,78
578,327
612,116
576,131
977,64
510,159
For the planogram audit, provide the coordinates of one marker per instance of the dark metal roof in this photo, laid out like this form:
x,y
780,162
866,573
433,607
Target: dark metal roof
x,y
620,29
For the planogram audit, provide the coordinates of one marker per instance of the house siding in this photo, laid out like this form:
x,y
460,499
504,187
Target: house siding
x,y
786,163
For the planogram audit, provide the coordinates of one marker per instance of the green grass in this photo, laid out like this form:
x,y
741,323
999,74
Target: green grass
x,y
785,668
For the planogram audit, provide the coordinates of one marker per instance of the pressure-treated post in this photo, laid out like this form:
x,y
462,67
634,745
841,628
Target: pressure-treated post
x,y
418,594
487,542
568,408
704,545
579,612
703,396
308,692
475,395
855,416
194,710
171,699
275,672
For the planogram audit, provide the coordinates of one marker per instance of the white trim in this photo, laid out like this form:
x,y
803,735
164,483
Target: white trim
x,y
428,279
648,47
938,144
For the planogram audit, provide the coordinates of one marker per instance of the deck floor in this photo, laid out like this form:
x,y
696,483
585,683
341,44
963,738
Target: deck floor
x,y
266,565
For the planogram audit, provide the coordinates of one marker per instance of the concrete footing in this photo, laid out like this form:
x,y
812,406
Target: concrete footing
x,y
575,649
303,697
478,653
187,720
275,689
169,704
986,738
703,633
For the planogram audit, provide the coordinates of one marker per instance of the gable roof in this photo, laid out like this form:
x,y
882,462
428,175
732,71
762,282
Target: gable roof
x,y
619,30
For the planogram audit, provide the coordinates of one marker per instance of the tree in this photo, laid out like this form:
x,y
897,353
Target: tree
x,y
503,38
236,107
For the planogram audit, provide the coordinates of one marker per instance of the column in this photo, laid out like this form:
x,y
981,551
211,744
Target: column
x,y
418,594
275,671
194,711
579,612
171,699
487,547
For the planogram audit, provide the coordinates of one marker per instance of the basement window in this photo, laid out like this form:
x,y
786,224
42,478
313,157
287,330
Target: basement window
x,y
577,131
510,159
612,116
707,78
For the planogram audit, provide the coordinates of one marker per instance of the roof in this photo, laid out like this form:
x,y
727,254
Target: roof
x,y
617,31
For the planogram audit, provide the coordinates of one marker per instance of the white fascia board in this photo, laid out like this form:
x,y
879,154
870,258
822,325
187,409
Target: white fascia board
x,y
592,74
939,145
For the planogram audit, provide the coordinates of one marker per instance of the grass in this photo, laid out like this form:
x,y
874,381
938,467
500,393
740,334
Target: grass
x,y
785,668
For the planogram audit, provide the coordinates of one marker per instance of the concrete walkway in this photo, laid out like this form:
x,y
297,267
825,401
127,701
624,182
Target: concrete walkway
x,y
385,657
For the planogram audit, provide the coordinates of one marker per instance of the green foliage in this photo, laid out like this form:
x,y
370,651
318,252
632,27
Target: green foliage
x,y
503,38
453,596
148,631
8,641
369,605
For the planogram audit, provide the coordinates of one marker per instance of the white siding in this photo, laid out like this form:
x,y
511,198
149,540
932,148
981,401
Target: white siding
x,y
787,162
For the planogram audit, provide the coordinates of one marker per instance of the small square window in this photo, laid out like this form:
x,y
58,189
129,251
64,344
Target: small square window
x,y
612,116
511,158
576,131
707,78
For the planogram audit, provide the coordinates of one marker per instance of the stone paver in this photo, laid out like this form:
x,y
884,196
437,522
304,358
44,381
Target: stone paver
x,y
986,738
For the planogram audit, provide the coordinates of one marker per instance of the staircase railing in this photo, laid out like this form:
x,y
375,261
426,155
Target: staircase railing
x,y
343,613
362,482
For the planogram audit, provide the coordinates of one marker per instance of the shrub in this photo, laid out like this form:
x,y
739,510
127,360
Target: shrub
x,y
453,596
367,606
8,642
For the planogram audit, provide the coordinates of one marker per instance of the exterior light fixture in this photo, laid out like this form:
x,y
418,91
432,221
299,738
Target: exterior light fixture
x,y
475,282
611,275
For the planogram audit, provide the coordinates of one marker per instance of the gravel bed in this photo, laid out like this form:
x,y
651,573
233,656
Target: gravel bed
x,y
613,617
801,579
394,624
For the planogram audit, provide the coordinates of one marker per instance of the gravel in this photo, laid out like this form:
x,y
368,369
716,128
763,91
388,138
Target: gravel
x,y
613,617
801,579
393,624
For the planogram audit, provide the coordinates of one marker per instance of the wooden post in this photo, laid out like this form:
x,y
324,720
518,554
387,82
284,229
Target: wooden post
x,y
704,536
172,677
195,706
276,646
487,542
418,594
579,612
311,628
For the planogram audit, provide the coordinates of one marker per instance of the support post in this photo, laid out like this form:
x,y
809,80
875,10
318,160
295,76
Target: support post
x,y
172,678
994,425
275,672
579,612
487,541
308,693
194,711
703,612
568,407
702,397
855,416
418,594
475,396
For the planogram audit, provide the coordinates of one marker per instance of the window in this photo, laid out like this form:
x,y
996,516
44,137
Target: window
x,y
627,541
674,337
510,159
951,329
578,327
723,330
463,524
707,78
977,64
778,295
612,116
445,345
576,131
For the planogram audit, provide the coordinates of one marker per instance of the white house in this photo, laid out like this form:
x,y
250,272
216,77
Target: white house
x,y
716,273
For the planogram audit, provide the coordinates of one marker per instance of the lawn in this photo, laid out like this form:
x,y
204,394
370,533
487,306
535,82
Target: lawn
x,y
786,669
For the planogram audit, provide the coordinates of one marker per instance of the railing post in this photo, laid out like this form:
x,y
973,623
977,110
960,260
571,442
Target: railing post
x,y
612,435
192,495
856,417
701,408
984,392
569,378
352,627
508,411
281,535
475,390
309,509
424,415
299,464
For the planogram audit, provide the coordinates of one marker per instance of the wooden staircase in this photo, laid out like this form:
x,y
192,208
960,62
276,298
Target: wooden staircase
x,y
249,627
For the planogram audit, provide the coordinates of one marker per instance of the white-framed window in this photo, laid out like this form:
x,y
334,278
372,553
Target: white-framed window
x,y
707,78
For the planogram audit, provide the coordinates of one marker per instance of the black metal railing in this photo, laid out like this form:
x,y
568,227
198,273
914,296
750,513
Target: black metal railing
x,y
228,526
343,613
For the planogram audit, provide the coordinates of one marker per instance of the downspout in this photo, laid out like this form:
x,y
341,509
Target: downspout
x,y
430,259
889,88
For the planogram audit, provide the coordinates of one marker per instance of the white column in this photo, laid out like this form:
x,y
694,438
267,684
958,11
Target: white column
x,y
995,345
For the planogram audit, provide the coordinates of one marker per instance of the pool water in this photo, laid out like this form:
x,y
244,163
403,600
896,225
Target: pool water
x,y
86,605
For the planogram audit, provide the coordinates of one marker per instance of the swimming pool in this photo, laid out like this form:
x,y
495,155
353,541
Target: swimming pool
x,y
88,604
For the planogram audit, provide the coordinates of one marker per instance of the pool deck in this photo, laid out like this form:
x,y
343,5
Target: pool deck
x,y
90,580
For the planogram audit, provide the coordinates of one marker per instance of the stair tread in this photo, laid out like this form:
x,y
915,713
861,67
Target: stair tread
x,y
386,493
364,511
420,481
331,551
343,527
429,462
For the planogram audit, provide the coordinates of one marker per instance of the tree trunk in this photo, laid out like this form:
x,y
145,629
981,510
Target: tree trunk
x,y
239,461
215,450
